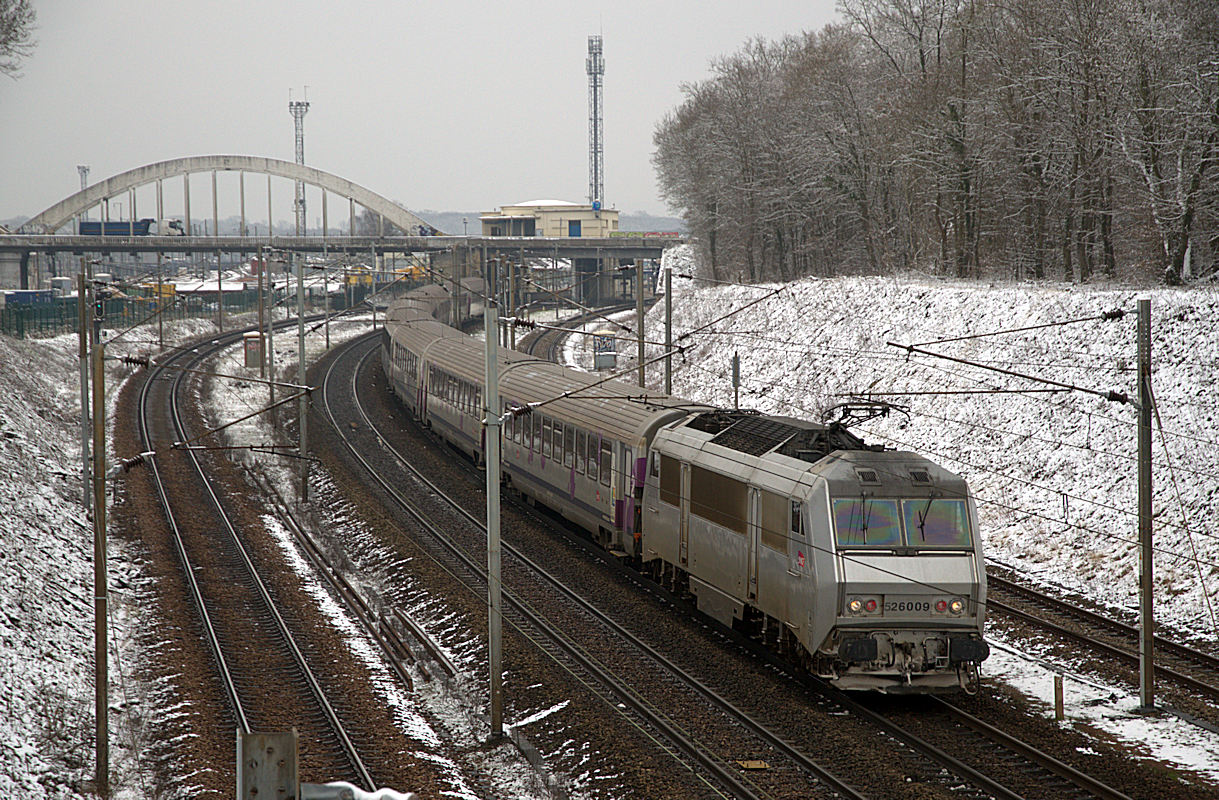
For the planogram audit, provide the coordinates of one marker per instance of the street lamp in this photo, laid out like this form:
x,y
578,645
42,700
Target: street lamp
x,y
464,223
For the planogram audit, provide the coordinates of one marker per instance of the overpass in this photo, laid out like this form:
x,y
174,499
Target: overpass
x,y
530,246
40,234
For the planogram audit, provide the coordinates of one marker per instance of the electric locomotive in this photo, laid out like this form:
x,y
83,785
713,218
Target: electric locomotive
x,y
864,564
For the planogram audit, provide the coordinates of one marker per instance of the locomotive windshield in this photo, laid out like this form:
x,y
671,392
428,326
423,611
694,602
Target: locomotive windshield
x,y
922,522
936,522
865,521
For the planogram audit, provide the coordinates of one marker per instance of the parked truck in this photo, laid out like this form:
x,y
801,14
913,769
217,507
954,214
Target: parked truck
x,y
138,227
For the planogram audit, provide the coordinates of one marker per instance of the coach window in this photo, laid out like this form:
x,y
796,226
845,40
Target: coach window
x,y
569,446
508,420
593,466
537,433
628,465
581,451
797,526
607,461
547,427
557,449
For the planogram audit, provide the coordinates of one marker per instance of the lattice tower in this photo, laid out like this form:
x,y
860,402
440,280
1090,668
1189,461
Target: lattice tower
x,y
594,65
298,110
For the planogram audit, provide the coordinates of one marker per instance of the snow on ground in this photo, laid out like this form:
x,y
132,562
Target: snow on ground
x,y
46,582
1054,473
231,400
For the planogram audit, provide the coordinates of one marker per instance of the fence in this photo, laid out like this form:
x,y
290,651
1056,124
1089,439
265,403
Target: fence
x,y
60,316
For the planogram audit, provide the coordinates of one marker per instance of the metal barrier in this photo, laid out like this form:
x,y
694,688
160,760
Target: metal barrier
x,y
52,319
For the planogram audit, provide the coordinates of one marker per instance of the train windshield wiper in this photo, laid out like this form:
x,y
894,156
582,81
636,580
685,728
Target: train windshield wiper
x,y
922,517
863,500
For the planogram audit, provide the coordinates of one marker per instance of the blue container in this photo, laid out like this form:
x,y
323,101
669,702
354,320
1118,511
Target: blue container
x,y
28,297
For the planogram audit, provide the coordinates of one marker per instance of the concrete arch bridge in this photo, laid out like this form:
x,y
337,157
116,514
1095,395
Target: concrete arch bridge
x,y
123,184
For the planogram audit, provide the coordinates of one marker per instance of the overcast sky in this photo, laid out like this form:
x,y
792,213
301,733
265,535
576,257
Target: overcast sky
x,y
448,105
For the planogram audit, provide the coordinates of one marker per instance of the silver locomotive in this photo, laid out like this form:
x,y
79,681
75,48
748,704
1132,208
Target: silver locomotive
x,y
863,564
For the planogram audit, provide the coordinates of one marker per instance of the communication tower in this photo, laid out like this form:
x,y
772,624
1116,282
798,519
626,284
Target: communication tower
x,y
594,65
298,109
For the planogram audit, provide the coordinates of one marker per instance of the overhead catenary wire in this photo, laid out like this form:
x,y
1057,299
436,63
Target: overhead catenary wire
x,y
1107,316
863,353
1112,395
997,472
1184,517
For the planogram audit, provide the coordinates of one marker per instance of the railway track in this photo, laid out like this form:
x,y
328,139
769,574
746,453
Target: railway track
x,y
276,661
1188,667
591,669
1043,768
235,606
544,343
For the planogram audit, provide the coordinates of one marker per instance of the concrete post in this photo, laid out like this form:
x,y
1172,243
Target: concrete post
x,y
82,323
303,408
262,325
160,257
1146,572
669,330
639,319
100,593
494,590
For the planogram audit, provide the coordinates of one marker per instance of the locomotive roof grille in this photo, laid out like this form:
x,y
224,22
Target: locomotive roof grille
x,y
755,435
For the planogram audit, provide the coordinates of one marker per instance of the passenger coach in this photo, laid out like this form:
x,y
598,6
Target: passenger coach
x,y
864,564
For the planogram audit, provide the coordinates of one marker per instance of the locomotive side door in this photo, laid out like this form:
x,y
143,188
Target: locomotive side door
x,y
799,560
683,548
754,529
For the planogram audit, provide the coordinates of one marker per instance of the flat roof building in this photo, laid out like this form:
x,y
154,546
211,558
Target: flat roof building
x,y
551,218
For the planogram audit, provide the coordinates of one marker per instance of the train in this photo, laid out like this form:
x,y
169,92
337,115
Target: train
x,y
862,564
134,227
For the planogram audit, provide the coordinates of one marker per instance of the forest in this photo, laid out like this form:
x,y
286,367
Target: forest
x,y
1069,140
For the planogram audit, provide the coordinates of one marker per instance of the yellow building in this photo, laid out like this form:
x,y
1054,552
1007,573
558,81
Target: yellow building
x,y
552,218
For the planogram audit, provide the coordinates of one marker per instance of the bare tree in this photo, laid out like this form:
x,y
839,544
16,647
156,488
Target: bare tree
x,y
1075,139
16,35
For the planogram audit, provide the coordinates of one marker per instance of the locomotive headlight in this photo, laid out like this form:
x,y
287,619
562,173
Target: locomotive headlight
x,y
941,606
957,605
870,605
855,605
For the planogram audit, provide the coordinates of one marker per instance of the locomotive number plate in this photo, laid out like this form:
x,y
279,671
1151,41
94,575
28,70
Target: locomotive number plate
x,y
910,605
